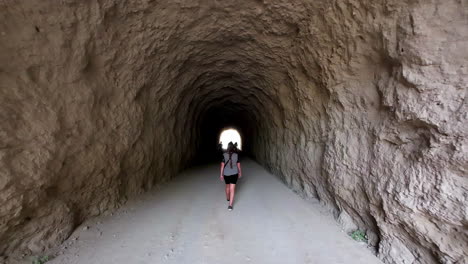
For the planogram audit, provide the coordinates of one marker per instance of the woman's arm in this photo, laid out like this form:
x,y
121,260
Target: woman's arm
x,y
239,169
221,172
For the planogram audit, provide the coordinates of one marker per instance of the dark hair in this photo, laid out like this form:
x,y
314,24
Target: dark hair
x,y
230,150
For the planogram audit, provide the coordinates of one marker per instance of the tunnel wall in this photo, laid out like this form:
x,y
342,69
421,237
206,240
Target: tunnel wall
x,y
359,104
85,122
383,143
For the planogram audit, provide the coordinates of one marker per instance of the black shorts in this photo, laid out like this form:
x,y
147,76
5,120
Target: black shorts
x,y
231,179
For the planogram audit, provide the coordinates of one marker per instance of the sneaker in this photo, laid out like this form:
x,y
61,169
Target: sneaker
x,y
230,208
227,200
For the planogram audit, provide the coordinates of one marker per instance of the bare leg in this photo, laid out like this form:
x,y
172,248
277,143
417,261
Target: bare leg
x,y
232,191
227,192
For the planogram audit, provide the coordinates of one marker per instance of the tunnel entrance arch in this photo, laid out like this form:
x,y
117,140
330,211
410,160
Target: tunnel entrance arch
x,y
230,135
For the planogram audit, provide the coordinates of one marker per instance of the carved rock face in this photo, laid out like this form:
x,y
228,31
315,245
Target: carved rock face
x,y
360,104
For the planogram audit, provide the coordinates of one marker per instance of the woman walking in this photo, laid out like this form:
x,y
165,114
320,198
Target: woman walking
x,y
230,172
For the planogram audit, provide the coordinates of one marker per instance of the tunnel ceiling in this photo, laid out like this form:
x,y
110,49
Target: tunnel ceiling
x,y
359,104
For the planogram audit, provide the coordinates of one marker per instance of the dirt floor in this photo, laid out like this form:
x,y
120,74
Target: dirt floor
x,y
187,221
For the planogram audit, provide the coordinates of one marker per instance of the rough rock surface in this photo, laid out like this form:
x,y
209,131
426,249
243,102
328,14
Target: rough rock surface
x,y
361,104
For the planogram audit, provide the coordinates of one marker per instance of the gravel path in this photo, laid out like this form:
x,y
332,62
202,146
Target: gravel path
x,y
187,221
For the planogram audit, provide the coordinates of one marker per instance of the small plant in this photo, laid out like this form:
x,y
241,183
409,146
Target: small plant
x,y
359,235
40,260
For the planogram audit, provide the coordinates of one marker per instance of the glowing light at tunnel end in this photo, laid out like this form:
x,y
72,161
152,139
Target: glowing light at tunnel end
x,y
228,135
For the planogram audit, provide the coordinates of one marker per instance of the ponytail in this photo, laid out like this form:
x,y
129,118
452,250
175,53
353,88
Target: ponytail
x,y
230,151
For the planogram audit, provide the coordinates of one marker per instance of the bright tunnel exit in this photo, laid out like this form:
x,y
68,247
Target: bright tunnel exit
x,y
229,135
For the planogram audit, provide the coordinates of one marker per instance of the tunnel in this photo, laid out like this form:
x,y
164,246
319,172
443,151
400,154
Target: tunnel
x,y
359,105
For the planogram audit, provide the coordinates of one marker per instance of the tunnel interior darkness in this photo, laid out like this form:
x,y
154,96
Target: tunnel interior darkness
x,y
217,119
352,103
231,90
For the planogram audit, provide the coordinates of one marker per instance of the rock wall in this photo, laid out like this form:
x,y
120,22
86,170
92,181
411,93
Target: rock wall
x,y
384,145
360,104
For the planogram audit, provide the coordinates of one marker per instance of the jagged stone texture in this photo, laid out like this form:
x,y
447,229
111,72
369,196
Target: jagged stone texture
x,y
361,104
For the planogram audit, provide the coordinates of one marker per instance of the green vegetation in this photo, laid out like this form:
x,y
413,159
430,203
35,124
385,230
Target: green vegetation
x,y
40,260
359,235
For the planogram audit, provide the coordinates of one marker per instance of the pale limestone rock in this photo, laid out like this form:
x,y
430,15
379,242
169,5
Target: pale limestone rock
x,y
346,222
361,104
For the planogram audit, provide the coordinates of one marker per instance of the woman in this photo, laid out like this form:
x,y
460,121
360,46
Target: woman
x,y
230,172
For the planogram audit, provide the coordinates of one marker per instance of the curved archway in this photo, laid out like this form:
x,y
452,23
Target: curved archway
x,y
228,135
